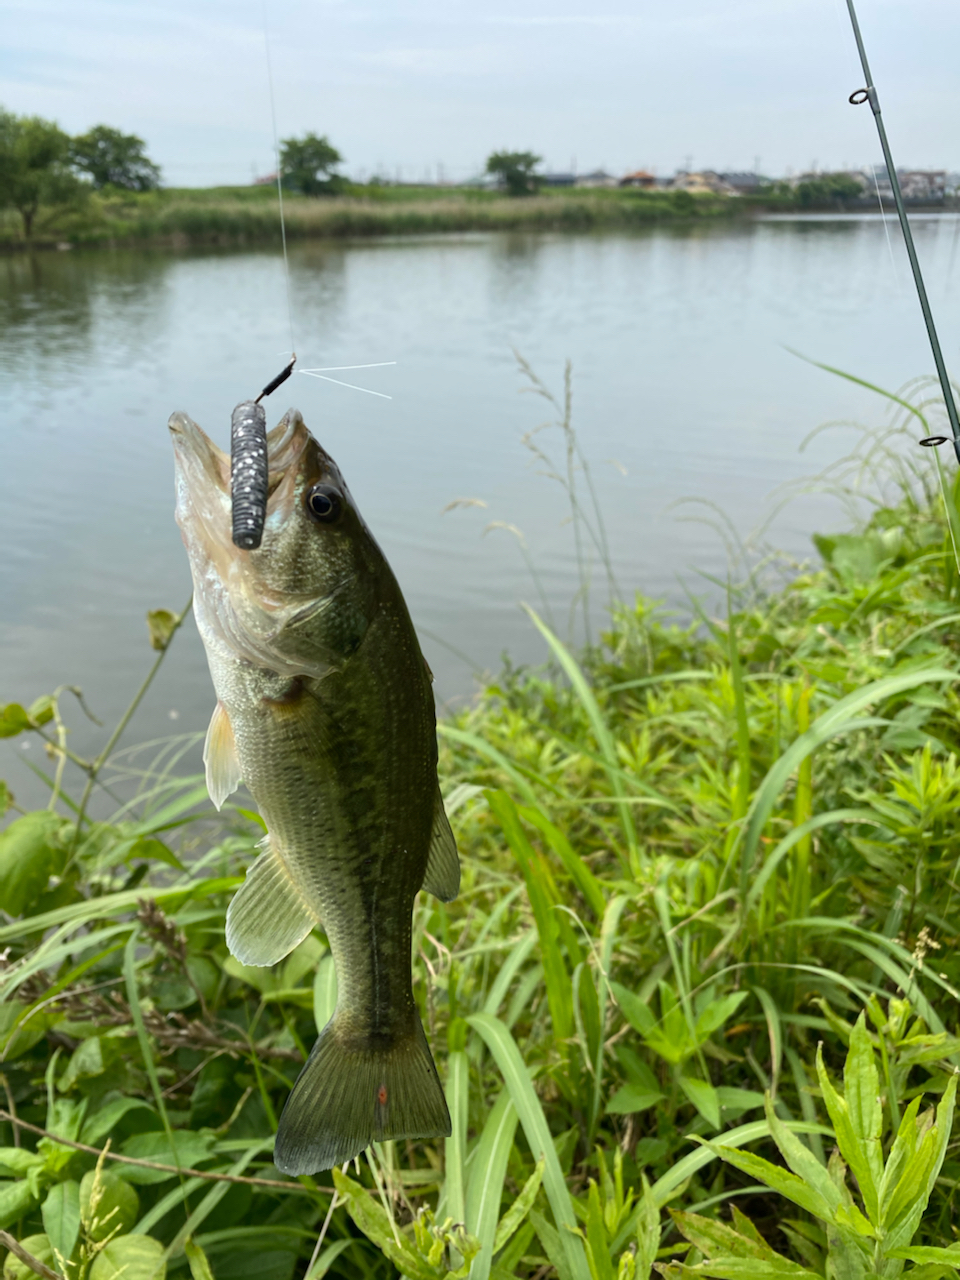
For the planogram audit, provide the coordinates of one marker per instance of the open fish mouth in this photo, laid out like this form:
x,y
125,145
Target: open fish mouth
x,y
203,479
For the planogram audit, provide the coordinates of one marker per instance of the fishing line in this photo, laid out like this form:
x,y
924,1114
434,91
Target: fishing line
x,y
886,228
857,98
276,158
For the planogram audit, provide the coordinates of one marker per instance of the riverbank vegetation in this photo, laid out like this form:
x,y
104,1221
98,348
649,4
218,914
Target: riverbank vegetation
x,y
695,1008
245,215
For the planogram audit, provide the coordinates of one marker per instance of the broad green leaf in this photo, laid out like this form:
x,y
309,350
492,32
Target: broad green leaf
x,y
714,1238
161,624
636,1011
862,1095
107,1204
18,1160
197,1260
553,1246
85,1063
16,1199
539,1139
370,1216
61,1217
105,1117
485,1188
13,720
630,1098
780,1180
130,1258
188,1150
30,852
800,1158
717,1013
853,1149
704,1098
950,1254
38,1247
912,1192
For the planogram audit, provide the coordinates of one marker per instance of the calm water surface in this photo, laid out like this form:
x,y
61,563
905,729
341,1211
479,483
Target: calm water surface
x,y
682,387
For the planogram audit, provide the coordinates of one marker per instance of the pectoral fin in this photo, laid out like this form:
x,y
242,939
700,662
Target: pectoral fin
x,y
269,914
442,877
220,757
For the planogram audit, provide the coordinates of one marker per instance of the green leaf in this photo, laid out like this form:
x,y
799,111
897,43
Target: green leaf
x,y
108,1205
800,1158
539,1139
598,1252
636,1011
161,624
862,1095
704,1098
197,1260
16,1200
188,1150
852,1148
17,1160
38,1247
553,1246
717,1013
780,1180
714,1238
648,1231
556,973
485,1188
30,852
950,1254
105,1117
630,1098
520,1208
61,1217
40,710
455,1146
324,992
130,1258
372,1220
85,1063
13,720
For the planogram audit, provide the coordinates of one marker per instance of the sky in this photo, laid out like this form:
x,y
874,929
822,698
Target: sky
x,y
428,88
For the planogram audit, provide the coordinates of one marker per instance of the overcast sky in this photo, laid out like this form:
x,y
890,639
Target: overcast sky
x,y
405,87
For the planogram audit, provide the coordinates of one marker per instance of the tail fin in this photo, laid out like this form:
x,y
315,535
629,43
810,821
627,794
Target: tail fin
x,y
345,1098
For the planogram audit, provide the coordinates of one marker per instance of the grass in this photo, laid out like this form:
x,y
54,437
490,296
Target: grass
x,y
707,933
239,215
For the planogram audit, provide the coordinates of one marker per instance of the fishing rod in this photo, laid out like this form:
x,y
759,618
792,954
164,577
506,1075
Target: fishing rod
x,y
248,464
869,94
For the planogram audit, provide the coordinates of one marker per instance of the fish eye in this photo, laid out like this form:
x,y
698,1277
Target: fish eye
x,y
324,504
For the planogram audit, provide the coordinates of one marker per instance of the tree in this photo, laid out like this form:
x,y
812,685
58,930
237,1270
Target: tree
x,y
114,158
515,171
35,167
307,163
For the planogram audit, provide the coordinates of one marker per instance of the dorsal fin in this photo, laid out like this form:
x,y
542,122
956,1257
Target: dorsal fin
x,y
220,757
442,877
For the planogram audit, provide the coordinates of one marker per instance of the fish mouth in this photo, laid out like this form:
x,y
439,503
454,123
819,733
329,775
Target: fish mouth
x,y
203,476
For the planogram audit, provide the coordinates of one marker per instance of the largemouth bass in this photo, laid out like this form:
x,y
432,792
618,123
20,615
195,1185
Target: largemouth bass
x,y
325,712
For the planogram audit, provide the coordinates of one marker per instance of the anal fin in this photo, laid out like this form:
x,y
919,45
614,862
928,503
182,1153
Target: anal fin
x,y
442,877
269,914
220,757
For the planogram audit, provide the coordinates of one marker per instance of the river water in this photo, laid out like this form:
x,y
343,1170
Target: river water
x,y
682,388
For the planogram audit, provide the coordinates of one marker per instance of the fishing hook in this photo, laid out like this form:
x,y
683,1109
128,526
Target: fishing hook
x,y
857,98
249,471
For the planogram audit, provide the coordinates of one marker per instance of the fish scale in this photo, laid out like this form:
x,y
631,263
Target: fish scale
x,y
325,711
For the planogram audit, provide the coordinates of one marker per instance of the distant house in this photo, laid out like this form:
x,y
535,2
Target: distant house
x,y
268,180
557,179
599,178
701,183
744,184
641,179
923,184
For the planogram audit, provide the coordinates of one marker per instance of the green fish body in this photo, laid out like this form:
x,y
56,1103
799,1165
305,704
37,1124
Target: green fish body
x,y
325,711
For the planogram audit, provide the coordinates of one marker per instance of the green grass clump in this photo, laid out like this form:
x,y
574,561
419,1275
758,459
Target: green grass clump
x,y
703,967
